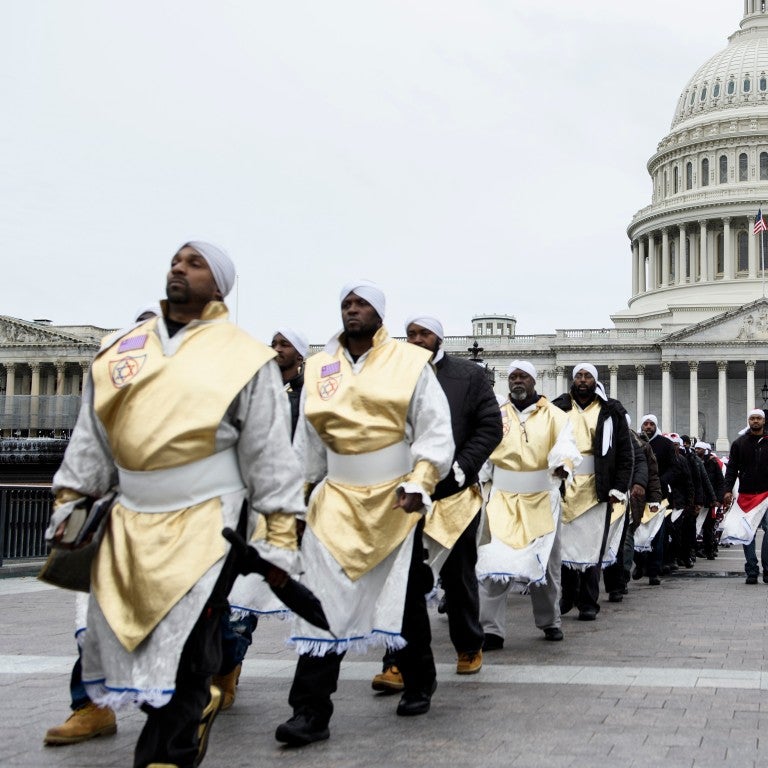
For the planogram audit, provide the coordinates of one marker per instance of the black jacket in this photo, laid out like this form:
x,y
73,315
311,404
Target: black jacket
x,y
294,387
614,470
749,462
475,419
664,450
715,475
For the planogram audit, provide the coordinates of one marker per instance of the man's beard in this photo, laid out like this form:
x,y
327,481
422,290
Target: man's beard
x,y
178,293
363,332
518,393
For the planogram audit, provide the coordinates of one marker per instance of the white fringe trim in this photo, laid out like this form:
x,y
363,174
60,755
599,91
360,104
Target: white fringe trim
x,y
235,614
100,694
316,647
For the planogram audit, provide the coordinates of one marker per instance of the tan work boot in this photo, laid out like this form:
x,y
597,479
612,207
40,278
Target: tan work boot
x,y
469,663
83,724
227,684
206,721
388,681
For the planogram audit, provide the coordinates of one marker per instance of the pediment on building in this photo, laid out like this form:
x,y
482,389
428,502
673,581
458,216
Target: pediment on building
x,y
748,323
21,333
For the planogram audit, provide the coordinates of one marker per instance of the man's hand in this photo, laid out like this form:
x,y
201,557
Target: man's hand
x,y
561,472
408,502
637,492
614,500
727,500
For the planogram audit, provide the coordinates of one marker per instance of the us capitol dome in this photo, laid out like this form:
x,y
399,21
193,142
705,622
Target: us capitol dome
x,y
693,252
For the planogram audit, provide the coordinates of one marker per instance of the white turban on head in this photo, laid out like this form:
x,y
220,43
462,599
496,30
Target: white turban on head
x,y
588,367
756,412
522,365
650,417
221,266
299,340
367,290
428,322
701,444
676,439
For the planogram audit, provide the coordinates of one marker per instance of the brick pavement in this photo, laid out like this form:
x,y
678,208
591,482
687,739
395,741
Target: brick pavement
x,y
675,675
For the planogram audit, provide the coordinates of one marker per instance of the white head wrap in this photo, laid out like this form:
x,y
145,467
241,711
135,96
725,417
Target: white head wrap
x,y
522,365
676,439
221,266
367,290
589,368
428,322
299,340
650,417
701,444
146,310
756,412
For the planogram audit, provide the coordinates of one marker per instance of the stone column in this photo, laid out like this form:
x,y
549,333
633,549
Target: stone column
x,y
693,426
664,257
560,379
34,399
635,267
640,371
750,384
653,281
59,407
613,392
722,443
727,257
641,282
666,396
681,273
703,255
10,391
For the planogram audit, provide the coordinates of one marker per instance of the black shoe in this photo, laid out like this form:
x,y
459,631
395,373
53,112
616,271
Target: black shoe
x,y
442,606
765,577
637,572
616,596
654,581
751,580
492,642
588,614
553,633
302,729
415,702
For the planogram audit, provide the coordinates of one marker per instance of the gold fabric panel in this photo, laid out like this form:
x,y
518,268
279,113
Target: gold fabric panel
x,y
153,418
451,515
363,412
649,514
148,561
581,495
359,527
517,519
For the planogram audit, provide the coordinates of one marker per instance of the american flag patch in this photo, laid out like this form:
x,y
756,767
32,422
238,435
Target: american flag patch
x,y
330,369
133,342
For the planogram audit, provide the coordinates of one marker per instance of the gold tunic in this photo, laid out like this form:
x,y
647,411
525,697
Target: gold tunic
x,y
517,519
451,515
161,411
356,413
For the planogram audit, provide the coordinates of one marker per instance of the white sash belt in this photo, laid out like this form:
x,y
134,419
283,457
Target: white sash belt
x,y
521,482
587,466
166,490
370,468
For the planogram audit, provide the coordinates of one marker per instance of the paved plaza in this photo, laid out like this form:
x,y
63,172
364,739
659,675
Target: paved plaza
x,y
673,676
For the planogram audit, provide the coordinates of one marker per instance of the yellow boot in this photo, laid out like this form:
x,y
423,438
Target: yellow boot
x,y
206,721
227,684
83,724
388,681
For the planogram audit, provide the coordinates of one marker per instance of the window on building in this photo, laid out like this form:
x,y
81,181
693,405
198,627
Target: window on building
x,y
688,257
672,260
489,329
705,172
730,89
747,85
723,169
764,166
689,175
716,90
674,180
693,97
703,96
743,167
665,183
763,82
720,255
743,246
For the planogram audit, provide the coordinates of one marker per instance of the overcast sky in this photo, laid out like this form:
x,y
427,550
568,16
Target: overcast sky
x,y
471,156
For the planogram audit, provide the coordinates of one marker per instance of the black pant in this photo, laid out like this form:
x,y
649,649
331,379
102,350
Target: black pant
x,y
613,575
316,677
170,732
459,581
581,588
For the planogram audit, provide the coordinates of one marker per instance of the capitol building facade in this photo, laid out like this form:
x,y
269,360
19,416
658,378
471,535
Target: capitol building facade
x,y
691,344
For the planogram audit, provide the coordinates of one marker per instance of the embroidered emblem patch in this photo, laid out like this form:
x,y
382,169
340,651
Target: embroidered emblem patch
x,y
331,368
327,387
131,343
124,370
